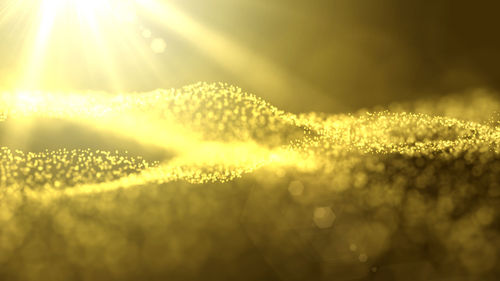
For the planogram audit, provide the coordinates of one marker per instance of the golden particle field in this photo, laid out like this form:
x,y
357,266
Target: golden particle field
x,y
168,176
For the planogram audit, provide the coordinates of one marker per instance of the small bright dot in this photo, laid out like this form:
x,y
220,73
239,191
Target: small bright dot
x,y
323,217
28,98
363,257
158,45
296,188
353,247
146,33
280,172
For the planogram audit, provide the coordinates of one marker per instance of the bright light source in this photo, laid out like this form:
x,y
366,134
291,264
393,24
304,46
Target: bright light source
x,y
67,35
158,45
104,44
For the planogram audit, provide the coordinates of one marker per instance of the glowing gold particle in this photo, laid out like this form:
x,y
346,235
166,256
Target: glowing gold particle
x,y
363,257
323,217
146,33
296,188
158,45
388,174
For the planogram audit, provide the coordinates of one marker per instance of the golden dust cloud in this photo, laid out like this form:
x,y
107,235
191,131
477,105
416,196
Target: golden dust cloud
x,y
207,181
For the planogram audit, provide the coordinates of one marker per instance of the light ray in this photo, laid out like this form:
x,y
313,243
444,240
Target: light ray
x,y
49,10
64,35
248,65
107,38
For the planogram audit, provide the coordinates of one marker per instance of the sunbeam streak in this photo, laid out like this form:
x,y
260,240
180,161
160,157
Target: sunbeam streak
x,y
369,151
64,37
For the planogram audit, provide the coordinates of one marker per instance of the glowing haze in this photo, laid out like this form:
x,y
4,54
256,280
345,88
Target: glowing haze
x,y
71,36
121,46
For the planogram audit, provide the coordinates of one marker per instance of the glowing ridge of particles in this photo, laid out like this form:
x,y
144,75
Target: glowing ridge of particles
x,y
219,133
